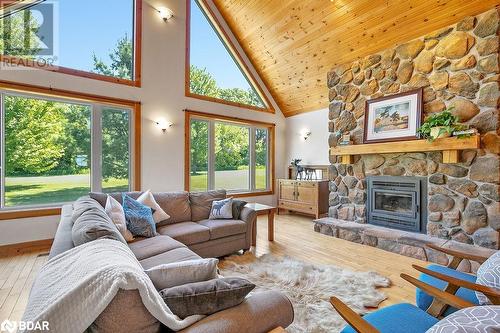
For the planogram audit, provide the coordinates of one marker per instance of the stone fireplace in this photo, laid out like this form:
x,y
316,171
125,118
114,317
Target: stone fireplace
x,y
457,66
397,202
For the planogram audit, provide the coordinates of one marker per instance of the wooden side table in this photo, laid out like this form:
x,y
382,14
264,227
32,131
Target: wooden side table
x,y
263,210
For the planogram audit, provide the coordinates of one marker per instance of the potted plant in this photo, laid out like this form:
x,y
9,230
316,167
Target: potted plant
x,y
440,125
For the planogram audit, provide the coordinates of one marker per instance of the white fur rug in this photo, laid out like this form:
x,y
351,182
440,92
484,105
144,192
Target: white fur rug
x,y
309,288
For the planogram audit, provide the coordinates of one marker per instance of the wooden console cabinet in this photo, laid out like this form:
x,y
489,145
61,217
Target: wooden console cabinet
x,y
303,196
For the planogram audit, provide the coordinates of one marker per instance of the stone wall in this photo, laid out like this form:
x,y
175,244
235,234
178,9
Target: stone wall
x,y
457,66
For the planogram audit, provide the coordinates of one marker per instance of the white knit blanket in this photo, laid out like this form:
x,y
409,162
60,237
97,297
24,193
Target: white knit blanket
x,y
71,290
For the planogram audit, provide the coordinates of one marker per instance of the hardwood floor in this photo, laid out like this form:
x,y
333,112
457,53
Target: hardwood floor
x,y
294,237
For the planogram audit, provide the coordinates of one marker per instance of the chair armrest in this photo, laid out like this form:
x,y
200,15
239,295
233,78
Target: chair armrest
x,y
493,294
439,294
260,312
355,320
458,256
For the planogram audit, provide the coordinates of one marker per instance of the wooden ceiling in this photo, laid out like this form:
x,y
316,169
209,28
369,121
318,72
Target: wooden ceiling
x,y
294,43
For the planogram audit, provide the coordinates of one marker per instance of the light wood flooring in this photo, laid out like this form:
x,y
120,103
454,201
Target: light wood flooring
x,y
294,236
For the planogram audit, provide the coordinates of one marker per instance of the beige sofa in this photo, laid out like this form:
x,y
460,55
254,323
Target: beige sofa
x,y
188,234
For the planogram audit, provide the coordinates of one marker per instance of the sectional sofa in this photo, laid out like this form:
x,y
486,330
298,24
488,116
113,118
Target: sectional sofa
x,y
188,234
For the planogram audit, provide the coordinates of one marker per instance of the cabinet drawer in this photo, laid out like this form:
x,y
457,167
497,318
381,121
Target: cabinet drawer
x,y
307,184
287,182
297,206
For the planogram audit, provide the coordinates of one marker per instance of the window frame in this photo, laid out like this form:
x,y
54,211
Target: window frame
x,y
232,50
212,119
66,96
137,46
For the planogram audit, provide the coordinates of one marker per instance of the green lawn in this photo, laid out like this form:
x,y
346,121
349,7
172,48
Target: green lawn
x,y
230,179
23,191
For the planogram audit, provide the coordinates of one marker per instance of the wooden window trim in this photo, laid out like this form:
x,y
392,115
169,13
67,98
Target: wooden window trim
x,y
236,55
137,44
135,106
189,114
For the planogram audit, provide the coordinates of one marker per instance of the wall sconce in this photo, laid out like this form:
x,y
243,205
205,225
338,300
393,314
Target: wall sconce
x,y
163,125
305,134
165,13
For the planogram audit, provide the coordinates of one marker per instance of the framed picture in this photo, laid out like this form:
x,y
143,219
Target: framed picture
x,y
393,118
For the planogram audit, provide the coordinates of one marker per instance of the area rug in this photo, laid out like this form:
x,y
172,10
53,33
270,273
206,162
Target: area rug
x,y
309,288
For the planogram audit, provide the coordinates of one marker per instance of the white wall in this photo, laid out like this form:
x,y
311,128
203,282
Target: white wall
x,y
314,150
162,96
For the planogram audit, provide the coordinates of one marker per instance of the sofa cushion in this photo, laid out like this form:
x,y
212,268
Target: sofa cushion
x,y
224,228
90,222
201,203
182,272
175,255
126,313
148,247
237,207
222,209
186,232
206,297
115,212
175,204
118,196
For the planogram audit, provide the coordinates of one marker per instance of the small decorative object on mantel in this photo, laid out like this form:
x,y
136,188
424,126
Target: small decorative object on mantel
x,y
393,118
346,140
443,125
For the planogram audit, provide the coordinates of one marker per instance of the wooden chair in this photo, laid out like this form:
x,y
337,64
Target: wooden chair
x,y
449,279
399,318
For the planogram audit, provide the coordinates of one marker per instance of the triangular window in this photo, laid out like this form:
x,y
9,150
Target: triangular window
x,y
215,70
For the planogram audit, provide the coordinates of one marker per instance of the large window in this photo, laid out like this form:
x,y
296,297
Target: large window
x,y
229,154
55,150
216,71
92,38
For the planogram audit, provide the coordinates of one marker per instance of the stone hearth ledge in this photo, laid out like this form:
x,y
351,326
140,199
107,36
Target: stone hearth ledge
x,y
402,242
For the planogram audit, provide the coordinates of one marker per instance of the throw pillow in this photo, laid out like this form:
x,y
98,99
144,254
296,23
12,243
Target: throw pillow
x,y
117,215
488,275
222,209
182,272
147,199
90,222
139,218
205,298
474,319
237,207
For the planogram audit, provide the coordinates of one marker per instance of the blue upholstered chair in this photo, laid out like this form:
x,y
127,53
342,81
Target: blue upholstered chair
x,y
398,318
439,276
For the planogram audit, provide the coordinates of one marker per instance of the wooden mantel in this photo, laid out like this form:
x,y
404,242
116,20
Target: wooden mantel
x,y
449,146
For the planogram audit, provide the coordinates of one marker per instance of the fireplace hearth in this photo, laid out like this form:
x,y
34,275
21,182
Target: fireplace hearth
x,y
397,202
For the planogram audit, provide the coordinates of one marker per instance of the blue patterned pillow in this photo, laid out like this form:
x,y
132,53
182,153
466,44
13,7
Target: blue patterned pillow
x,y
139,218
488,275
476,319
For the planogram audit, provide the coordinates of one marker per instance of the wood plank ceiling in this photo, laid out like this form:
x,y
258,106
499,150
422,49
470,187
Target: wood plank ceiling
x,y
294,43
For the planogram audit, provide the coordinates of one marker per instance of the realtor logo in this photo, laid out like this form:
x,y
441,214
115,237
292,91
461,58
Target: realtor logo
x,y
29,31
8,326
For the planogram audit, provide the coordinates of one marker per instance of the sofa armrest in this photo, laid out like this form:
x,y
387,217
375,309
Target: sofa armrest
x,y
249,216
259,313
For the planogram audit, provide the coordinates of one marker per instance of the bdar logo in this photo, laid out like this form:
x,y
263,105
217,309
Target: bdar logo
x,y
8,326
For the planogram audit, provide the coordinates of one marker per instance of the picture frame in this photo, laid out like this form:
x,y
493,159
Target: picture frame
x,y
393,118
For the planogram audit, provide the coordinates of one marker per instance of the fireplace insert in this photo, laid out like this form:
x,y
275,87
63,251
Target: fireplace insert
x,y
397,202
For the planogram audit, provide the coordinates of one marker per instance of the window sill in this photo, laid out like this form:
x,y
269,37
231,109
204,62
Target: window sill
x,y
249,194
27,213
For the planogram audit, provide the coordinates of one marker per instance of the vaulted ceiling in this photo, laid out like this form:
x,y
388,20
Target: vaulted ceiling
x,y
293,43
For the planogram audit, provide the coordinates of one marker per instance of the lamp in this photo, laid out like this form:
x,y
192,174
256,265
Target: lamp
x,y
163,125
165,13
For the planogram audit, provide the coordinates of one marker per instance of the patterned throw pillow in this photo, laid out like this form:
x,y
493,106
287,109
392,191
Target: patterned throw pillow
x,y
222,209
488,275
477,319
139,218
